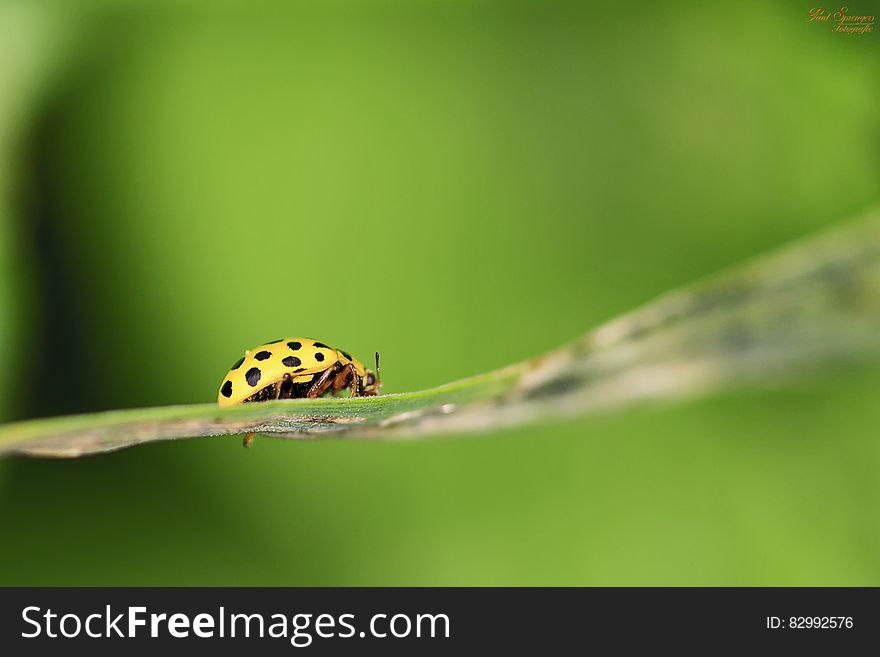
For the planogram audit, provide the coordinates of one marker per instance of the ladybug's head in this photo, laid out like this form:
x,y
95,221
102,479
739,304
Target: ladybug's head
x,y
372,383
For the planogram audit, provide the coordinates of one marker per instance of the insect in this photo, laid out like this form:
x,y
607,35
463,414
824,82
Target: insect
x,y
293,368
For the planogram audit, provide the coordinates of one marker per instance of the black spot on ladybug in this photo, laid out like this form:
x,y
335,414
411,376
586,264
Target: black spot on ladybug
x,y
299,369
253,376
275,341
292,361
237,363
263,355
347,355
321,345
319,356
226,390
294,345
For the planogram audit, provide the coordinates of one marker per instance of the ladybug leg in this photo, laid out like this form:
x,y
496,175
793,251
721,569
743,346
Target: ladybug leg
x,y
248,439
345,379
357,383
339,382
285,387
324,381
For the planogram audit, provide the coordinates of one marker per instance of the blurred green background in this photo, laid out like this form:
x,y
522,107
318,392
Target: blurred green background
x,y
459,185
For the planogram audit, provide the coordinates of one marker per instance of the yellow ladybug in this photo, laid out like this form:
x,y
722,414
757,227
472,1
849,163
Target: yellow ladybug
x,y
293,368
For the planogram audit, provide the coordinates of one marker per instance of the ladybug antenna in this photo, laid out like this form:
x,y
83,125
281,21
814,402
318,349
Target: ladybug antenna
x,y
377,368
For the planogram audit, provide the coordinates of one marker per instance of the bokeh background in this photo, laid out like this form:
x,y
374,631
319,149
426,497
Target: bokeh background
x,y
459,185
